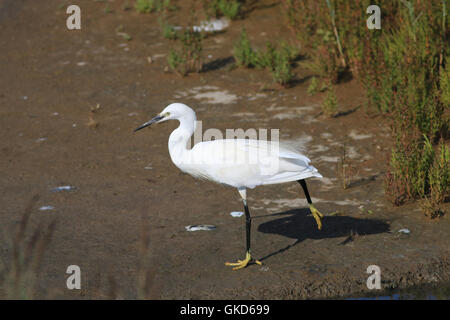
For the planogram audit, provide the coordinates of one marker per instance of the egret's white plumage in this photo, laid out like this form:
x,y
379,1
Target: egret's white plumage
x,y
241,163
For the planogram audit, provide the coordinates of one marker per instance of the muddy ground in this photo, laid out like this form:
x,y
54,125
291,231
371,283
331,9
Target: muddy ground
x,y
51,77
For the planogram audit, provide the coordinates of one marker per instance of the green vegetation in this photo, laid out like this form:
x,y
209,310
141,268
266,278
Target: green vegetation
x,y
188,59
228,8
439,178
278,61
169,31
243,53
404,71
411,89
149,6
313,87
145,6
329,104
282,69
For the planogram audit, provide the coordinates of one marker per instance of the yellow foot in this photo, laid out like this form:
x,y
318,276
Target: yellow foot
x,y
317,215
243,263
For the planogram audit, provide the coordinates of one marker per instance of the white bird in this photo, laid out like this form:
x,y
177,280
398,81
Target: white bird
x,y
240,163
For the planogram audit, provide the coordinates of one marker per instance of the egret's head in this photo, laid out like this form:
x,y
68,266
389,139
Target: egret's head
x,y
174,111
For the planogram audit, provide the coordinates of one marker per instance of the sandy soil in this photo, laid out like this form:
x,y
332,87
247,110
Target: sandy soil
x,y
50,78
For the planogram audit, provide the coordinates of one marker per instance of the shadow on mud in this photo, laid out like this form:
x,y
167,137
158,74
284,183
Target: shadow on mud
x,y
299,224
217,64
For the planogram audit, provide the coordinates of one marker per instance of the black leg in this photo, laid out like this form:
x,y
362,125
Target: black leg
x,y
248,225
305,190
316,213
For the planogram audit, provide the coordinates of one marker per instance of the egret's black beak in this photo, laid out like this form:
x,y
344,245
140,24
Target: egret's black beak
x,y
155,119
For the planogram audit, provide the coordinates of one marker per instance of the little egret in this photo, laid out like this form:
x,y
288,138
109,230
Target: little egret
x,y
240,163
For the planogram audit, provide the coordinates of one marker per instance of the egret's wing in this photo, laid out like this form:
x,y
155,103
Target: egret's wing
x,y
271,147
243,162
291,165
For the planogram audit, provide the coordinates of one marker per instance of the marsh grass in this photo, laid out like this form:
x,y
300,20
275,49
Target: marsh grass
x,y
439,179
323,64
329,104
340,26
145,6
313,87
412,90
149,6
278,60
243,52
18,277
168,30
404,70
231,9
188,58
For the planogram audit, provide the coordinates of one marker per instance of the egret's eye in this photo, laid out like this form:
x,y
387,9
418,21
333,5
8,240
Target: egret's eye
x,y
166,114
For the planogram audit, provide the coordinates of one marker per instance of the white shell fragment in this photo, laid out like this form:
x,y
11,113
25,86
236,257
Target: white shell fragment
x,y
237,214
46,208
148,167
212,25
199,227
405,231
63,188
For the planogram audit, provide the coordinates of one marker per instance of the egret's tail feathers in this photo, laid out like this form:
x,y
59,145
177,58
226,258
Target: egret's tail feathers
x,y
289,176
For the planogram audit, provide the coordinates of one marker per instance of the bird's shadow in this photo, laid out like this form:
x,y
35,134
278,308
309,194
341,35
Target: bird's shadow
x,y
299,224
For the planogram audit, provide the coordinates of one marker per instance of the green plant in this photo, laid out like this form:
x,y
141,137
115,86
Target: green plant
x,y
169,31
323,64
273,55
340,25
329,105
403,69
439,179
266,59
188,59
145,6
243,53
229,8
411,89
282,69
313,87
444,82
278,61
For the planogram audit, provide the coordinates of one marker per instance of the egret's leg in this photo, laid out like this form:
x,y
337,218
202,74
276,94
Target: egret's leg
x,y
316,213
248,225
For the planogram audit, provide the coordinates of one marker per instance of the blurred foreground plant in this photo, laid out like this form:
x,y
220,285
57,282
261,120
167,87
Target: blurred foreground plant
x,y
18,278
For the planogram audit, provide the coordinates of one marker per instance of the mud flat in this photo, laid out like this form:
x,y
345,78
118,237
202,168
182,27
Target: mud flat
x,y
69,103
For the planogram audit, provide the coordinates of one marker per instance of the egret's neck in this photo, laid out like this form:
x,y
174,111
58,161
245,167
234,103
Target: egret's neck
x,y
179,138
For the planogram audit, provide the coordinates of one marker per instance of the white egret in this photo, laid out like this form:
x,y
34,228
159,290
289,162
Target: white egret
x,y
240,163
